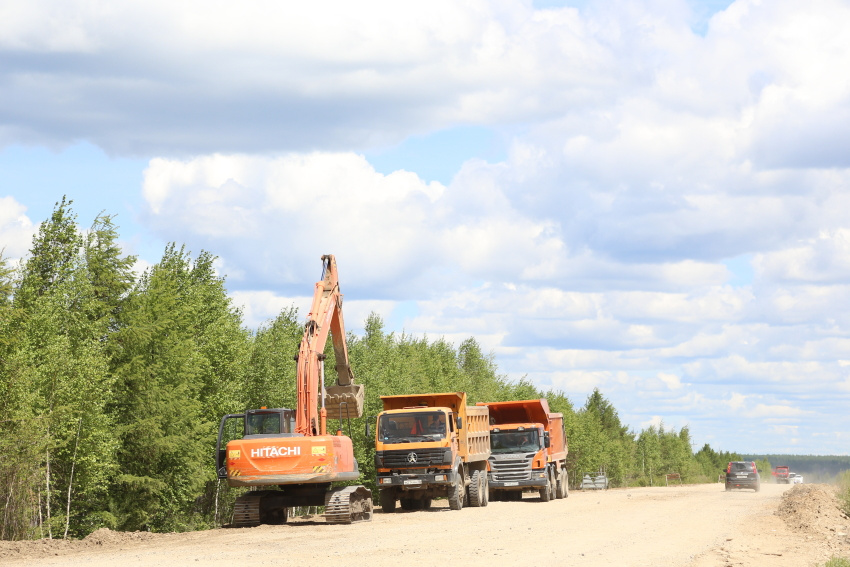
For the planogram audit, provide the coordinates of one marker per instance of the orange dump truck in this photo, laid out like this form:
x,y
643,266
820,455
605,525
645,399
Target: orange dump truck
x,y
429,446
528,450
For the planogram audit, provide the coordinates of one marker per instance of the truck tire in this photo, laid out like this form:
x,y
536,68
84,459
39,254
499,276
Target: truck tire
x,y
475,495
546,491
485,488
563,490
553,484
388,501
456,493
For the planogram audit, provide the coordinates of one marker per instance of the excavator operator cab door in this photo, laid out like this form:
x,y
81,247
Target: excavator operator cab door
x,y
228,430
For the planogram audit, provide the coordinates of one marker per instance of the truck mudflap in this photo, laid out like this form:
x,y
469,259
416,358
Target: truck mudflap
x,y
414,481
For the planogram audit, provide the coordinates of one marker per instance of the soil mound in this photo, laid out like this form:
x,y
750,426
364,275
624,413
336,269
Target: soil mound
x,y
37,548
45,547
813,508
105,536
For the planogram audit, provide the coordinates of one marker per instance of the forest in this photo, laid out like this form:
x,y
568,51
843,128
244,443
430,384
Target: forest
x,y
112,385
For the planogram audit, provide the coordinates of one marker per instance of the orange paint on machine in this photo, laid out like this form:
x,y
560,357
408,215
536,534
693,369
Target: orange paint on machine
x,y
289,452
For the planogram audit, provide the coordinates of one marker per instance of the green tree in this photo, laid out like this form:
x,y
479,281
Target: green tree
x,y
164,440
56,386
109,271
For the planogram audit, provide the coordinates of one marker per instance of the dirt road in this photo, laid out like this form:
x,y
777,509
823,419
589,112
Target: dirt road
x,y
699,526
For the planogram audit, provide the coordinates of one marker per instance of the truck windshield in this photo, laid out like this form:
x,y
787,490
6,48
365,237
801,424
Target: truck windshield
x,y
412,427
514,441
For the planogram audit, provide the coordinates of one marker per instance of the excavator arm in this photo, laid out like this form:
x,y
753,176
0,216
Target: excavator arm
x,y
315,402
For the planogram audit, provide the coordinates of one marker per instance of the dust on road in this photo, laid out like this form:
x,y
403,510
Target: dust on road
x,y
692,525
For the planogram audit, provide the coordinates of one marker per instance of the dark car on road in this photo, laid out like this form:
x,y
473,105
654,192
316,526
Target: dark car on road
x,y
742,474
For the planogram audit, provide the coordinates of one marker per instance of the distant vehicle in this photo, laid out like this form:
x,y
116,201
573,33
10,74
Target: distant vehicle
x,y
782,473
742,474
795,478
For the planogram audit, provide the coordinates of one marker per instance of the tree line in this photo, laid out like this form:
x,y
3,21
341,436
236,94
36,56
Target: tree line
x,y
112,385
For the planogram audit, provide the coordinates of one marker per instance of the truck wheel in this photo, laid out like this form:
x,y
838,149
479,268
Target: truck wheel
x,y
388,501
553,484
563,490
475,496
456,493
485,488
546,491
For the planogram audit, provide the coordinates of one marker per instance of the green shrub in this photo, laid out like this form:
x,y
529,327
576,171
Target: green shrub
x,y
838,562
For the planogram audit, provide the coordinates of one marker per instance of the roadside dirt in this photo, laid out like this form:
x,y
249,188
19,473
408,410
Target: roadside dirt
x,y
696,526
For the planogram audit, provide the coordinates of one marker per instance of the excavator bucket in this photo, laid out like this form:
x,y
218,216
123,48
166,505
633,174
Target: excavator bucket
x,y
344,402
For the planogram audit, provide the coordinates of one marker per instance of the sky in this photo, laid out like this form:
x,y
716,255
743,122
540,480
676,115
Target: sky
x,y
649,197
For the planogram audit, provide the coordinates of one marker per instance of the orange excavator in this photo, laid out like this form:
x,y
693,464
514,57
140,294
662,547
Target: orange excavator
x,y
291,450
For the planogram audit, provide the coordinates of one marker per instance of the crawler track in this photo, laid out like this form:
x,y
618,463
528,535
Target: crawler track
x,y
348,505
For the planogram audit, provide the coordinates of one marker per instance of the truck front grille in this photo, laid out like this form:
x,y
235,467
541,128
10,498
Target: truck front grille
x,y
412,458
506,468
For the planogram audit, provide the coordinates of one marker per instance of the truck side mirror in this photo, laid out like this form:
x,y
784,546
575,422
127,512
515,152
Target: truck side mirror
x,y
546,441
459,422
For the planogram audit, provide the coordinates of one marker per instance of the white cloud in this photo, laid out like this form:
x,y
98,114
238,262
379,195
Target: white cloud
x,y
775,411
16,229
641,156
825,258
672,381
737,401
655,422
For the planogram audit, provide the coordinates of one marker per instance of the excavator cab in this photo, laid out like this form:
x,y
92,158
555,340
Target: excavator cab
x,y
277,422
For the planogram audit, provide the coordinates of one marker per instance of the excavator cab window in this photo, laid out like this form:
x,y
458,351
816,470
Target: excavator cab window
x,y
269,422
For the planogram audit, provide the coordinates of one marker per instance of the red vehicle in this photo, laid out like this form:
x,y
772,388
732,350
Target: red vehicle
x,y
782,475
290,450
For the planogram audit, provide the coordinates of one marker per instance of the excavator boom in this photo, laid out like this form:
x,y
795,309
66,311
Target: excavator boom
x,y
315,402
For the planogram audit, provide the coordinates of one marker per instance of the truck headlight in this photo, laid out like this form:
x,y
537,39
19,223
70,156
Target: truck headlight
x,y
385,480
440,477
